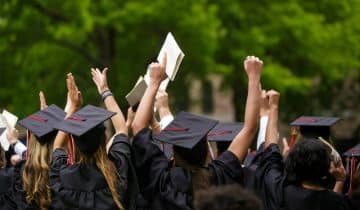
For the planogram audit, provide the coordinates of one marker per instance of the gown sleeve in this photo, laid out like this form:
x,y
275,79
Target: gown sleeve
x,y
226,169
150,162
269,177
120,155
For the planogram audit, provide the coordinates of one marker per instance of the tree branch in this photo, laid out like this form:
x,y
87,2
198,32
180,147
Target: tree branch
x,y
83,52
54,15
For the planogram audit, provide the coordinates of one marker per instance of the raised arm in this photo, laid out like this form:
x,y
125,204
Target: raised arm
x,y
145,110
272,133
100,80
241,143
74,101
162,105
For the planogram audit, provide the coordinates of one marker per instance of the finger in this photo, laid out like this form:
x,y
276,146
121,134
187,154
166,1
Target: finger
x,y
104,72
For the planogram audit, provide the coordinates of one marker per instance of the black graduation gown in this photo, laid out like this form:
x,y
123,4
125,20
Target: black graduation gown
x,y
7,200
170,187
276,194
84,186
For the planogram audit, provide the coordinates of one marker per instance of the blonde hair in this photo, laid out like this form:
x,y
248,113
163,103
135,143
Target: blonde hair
x,y
35,176
106,166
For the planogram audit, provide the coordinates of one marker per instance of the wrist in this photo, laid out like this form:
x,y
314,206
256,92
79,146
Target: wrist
x,y
102,90
155,82
106,94
164,111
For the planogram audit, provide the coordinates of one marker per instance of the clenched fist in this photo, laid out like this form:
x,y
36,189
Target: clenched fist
x,y
253,66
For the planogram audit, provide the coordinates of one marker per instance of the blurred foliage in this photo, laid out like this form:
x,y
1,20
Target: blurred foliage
x,y
308,47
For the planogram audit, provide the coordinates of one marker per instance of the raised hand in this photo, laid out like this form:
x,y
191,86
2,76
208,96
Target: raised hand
x,y
130,117
337,171
157,71
43,103
12,135
161,100
253,66
274,98
264,104
74,98
100,79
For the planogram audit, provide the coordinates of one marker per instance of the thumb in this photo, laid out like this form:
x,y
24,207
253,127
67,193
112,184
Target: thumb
x,y
104,71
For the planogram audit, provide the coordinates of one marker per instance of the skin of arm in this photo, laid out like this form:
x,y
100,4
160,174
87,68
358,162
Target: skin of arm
x,y
271,136
145,110
239,146
74,101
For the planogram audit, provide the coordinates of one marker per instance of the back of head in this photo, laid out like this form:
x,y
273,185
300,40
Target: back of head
x,y
194,157
96,154
308,161
35,176
194,160
229,197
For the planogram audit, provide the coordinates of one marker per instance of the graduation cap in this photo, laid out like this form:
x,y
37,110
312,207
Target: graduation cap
x,y
314,127
86,127
41,123
353,152
224,132
186,130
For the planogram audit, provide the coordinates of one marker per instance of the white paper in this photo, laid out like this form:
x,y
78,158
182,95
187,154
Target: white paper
x,y
4,142
174,56
11,119
135,95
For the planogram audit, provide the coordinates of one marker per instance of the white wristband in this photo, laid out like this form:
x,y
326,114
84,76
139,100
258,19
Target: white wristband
x,y
165,121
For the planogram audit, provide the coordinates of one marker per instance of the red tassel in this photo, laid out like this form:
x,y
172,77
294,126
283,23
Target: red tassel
x,y
175,129
293,137
70,160
219,133
27,143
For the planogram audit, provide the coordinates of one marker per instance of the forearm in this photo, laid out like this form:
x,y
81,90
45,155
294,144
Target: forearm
x,y
118,120
243,140
271,136
338,188
145,110
164,111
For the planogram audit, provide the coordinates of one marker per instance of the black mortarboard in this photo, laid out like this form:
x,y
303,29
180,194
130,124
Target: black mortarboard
x,y
353,152
41,123
86,127
314,127
224,132
186,130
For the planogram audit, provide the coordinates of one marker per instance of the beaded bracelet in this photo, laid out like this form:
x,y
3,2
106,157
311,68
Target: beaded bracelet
x,y
105,94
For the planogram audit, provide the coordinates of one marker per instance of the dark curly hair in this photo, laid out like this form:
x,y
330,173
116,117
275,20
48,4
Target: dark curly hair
x,y
229,197
309,160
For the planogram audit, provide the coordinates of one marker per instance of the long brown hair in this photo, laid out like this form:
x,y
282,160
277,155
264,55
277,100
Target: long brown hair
x,y
194,160
106,167
35,176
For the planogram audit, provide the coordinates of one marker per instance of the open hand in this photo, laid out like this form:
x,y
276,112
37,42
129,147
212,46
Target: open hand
x,y
100,79
337,171
74,99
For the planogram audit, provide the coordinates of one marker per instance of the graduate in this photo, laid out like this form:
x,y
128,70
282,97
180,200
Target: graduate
x,y
173,187
32,187
297,183
99,177
7,200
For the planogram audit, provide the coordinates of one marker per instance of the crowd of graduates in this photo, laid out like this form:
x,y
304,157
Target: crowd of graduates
x,y
154,159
